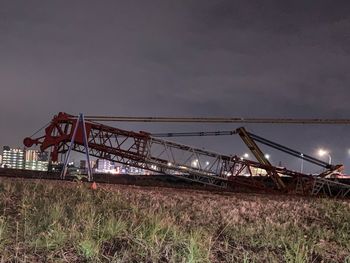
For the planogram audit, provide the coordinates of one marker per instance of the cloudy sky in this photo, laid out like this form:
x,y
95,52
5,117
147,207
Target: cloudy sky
x,y
179,58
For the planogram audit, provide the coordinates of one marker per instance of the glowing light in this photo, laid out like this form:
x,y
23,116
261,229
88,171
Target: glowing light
x,y
322,152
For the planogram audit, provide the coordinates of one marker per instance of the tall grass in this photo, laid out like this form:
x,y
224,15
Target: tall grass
x,y
68,222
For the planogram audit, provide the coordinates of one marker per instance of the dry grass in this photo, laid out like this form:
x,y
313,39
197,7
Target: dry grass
x,y
43,221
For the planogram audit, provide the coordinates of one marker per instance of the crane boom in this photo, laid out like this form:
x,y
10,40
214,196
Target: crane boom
x,y
193,134
218,120
249,139
141,149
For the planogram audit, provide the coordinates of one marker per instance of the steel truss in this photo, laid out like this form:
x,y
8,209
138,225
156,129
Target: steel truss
x,y
164,157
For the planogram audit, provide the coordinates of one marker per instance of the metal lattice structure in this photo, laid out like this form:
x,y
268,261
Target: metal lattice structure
x,y
140,149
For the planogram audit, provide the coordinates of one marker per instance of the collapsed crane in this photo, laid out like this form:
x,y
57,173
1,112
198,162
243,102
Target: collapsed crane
x,y
141,149
250,140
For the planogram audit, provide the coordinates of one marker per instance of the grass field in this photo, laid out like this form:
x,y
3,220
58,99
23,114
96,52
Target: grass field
x,y
46,221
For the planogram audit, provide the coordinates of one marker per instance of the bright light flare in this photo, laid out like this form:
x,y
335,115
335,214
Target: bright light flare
x,y
322,152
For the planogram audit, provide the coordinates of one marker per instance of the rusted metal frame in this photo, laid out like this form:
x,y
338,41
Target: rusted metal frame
x,y
242,167
172,156
269,169
197,154
240,179
185,147
100,153
187,161
58,127
120,143
259,155
217,165
229,167
116,158
329,187
193,151
107,150
161,152
204,180
339,188
300,185
94,136
192,176
67,128
164,150
276,179
106,138
223,163
129,140
317,185
169,154
176,167
134,145
250,171
98,136
211,165
110,135
138,144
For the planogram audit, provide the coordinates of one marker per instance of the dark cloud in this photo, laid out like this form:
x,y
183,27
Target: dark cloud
x,y
178,58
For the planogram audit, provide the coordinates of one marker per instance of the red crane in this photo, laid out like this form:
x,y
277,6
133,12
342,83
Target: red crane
x,y
141,149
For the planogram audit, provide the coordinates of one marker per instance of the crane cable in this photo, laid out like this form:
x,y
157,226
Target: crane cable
x,y
218,120
43,127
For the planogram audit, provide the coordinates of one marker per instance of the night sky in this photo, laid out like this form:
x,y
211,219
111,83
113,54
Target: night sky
x,y
180,58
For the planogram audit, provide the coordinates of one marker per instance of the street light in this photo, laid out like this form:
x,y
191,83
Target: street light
x,y
322,152
244,156
267,156
195,163
302,162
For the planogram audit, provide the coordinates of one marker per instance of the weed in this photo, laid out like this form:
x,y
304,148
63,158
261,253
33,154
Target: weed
x,y
89,248
296,252
3,229
42,221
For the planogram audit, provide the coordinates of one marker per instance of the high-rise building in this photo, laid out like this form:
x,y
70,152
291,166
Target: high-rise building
x,y
13,157
82,164
0,160
36,165
31,155
36,160
93,163
104,165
